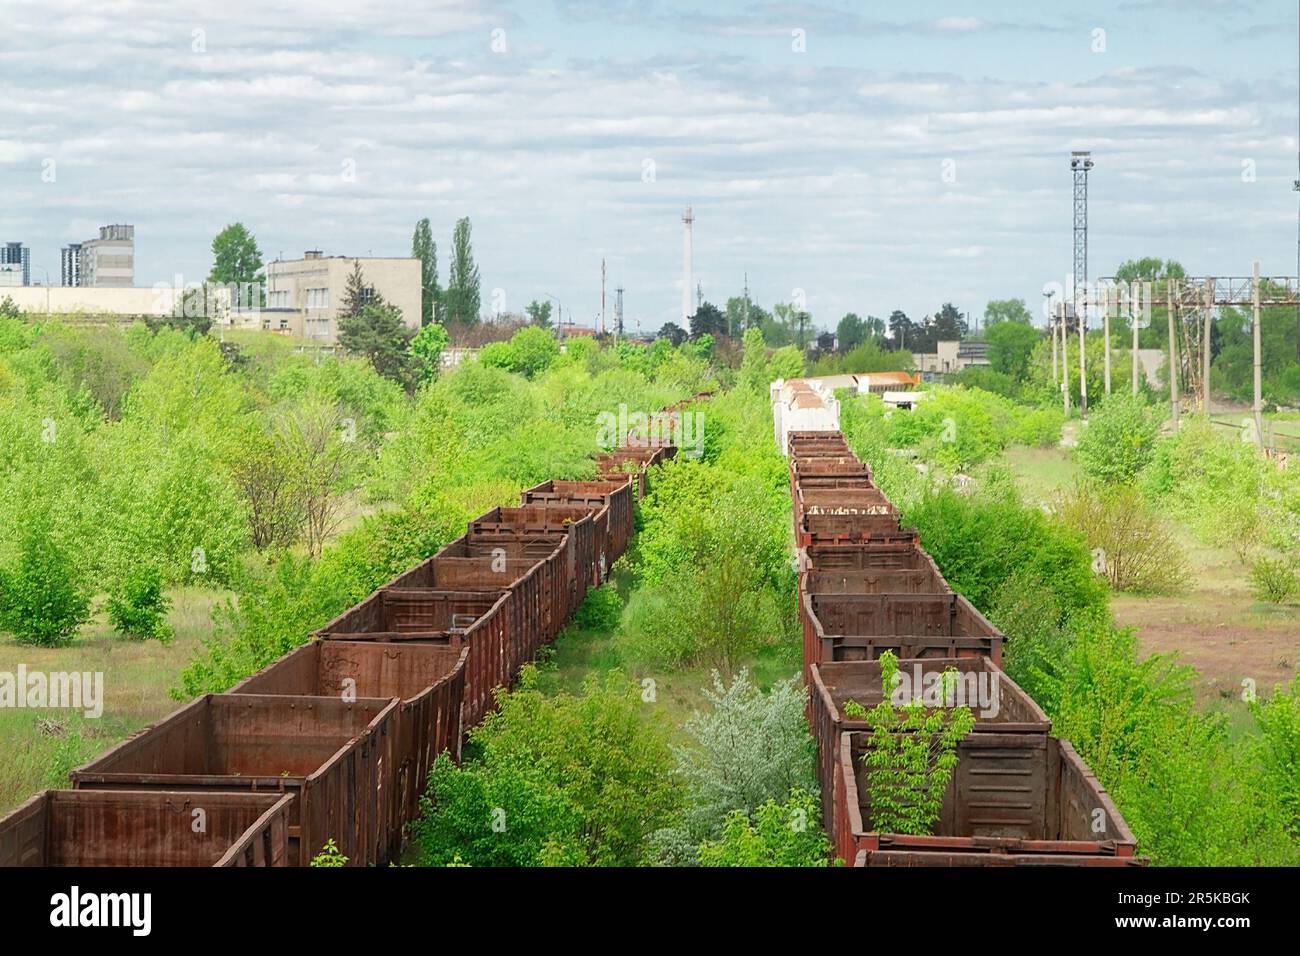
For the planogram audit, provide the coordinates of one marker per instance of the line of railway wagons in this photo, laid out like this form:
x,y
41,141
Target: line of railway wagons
x,y
1018,795
334,741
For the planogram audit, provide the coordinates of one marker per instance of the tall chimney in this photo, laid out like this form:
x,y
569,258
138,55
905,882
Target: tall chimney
x,y
687,283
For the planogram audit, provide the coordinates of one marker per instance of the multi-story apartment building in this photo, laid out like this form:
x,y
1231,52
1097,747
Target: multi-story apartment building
x,y
104,263
15,265
303,296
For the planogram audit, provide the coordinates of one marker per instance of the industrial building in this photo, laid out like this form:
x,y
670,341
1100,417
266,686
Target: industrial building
x,y
104,263
303,296
15,265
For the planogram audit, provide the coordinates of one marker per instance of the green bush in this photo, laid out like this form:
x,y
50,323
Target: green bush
x,y
138,608
979,545
1274,580
787,834
600,611
1120,438
1137,551
43,597
564,780
1278,749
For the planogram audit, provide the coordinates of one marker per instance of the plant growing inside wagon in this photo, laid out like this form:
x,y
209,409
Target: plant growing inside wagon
x,y
329,856
911,754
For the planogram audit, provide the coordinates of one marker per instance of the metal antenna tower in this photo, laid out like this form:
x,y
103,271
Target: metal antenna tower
x,y
618,312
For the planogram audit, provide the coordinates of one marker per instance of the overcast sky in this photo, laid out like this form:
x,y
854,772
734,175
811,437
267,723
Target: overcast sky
x,y
875,156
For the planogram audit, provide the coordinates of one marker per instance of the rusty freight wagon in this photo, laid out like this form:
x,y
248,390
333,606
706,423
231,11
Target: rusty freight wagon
x,y
147,828
527,582
860,627
480,620
827,517
1013,800
336,757
594,494
998,703
586,524
429,679
554,553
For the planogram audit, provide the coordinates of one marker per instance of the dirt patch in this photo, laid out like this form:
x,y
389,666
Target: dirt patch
x,y
1227,641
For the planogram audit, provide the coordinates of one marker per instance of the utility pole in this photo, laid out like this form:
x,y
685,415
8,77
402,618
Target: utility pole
x,y
1065,362
1083,367
742,331
1259,407
1105,324
1051,327
602,296
1134,310
1209,318
1173,354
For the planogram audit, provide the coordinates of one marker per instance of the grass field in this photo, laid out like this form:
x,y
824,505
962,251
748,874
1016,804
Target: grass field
x,y
677,692
41,746
1216,626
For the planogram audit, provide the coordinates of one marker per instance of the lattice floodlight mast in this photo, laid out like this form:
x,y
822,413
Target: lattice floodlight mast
x,y
1080,163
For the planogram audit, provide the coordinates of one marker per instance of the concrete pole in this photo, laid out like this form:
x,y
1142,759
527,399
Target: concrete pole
x,y
1173,354
1083,366
1135,309
1051,325
1065,362
1209,312
1105,321
1259,404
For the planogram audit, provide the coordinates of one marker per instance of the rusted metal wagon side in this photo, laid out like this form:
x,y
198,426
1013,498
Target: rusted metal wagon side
x,y
847,466
585,524
429,679
596,494
1012,800
147,828
919,580
482,621
338,758
850,523
555,555
998,703
856,627
412,614
902,551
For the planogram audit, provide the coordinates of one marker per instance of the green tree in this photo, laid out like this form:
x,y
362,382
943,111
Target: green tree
x,y
539,313
911,755
426,350
533,350
708,320
850,333
43,595
236,260
753,367
357,295
673,332
462,295
746,748
1011,345
378,333
426,250
1006,310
